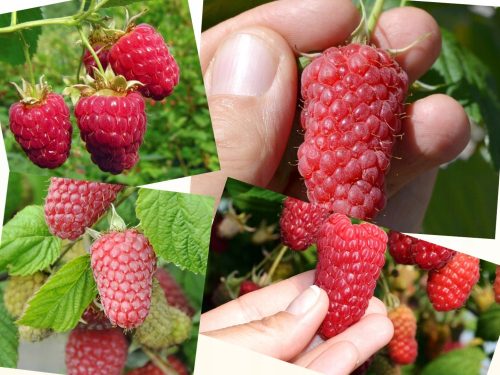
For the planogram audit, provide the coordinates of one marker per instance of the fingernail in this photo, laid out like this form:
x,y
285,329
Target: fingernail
x,y
304,301
244,65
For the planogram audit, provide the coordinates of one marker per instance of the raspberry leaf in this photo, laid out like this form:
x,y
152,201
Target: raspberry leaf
x,y
8,338
461,361
61,301
27,245
488,324
178,226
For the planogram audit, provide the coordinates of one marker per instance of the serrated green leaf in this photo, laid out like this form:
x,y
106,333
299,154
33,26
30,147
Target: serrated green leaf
x,y
60,302
12,48
488,324
462,361
178,226
27,245
9,340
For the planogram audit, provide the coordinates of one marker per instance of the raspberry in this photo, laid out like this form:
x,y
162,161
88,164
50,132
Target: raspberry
x,y
353,103
94,319
350,258
217,243
19,290
496,285
32,334
150,368
73,205
43,129
449,287
89,62
403,347
165,325
123,264
173,292
112,128
299,223
96,352
142,55
247,286
409,250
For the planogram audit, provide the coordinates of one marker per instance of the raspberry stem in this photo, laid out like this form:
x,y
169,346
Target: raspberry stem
x,y
374,15
28,58
85,41
158,362
275,264
13,18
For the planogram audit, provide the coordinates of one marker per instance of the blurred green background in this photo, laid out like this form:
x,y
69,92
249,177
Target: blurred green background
x,y
179,139
464,201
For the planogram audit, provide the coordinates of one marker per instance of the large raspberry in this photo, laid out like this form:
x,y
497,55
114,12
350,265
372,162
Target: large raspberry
x,y
350,258
165,325
496,285
151,369
123,264
403,347
353,103
102,52
43,130
96,352
19,289
173,292
73,205
112,128
409,250
300,222
449,287
247,286
142,55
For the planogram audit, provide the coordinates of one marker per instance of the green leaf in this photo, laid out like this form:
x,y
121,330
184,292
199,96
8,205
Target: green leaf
x,y
252,198
462,361
60,302
488,324
178,226
115,3
12,48
27,245
9,341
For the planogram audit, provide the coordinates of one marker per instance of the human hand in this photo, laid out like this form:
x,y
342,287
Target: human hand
x,y
250,71
281,321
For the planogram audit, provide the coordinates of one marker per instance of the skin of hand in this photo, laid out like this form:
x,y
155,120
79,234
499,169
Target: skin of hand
x,y
281,321
251,79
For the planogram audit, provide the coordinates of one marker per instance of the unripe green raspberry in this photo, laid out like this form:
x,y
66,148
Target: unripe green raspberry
x,y
165,325
32,334
19,290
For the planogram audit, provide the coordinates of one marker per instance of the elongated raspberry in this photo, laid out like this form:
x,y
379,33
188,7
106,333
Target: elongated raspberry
x,y
43,130
73,205
112,128
123,264
97,352
173,292
449,287
102,52
300,222
247,286
142,55
165,325
150,368
353,102
350,258
19,289
403,347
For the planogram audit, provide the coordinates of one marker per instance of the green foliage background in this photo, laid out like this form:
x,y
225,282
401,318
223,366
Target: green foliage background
x,y
179,139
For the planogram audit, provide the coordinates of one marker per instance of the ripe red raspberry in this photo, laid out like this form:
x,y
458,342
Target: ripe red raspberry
x,y
300,222
89,62
43,130
73,205
350,258
94,319
142,55
151,369
449,287
409,250
246,287
123,264
496,285
353,103
112,128
173,292
97,352
403,347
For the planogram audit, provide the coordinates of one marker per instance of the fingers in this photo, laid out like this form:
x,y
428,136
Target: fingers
x,y
311,25
282,335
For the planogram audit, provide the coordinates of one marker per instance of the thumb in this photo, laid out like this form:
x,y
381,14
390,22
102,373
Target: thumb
x,y
251,83
283,335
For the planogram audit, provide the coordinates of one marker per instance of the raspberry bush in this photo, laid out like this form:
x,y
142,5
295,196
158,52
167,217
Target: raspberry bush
x,y
83,257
